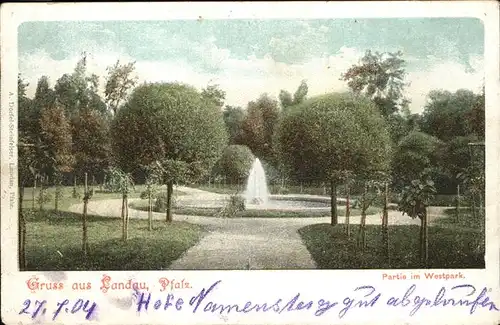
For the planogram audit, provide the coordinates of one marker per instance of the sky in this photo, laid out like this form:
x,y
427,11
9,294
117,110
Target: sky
x,y
250,57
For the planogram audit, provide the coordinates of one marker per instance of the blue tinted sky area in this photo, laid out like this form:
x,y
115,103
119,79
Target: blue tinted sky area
x,y
249,57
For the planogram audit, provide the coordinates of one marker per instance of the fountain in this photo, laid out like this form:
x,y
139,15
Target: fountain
x,y
257,197
256,192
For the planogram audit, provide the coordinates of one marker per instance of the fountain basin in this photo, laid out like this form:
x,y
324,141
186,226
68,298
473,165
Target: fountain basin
x,y
287,202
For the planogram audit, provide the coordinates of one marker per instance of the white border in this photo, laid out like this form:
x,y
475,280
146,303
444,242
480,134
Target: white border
x,y
261,285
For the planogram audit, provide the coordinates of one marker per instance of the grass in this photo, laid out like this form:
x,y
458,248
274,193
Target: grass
x,y
466,219
211,212
50,233
68,200
448,248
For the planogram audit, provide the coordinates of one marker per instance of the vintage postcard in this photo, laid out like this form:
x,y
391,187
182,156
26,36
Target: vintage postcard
x,y
250,163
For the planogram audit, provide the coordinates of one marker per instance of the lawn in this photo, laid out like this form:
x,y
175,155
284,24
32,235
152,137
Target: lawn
x,y
53,242
67,198
211,212
448,248
465,219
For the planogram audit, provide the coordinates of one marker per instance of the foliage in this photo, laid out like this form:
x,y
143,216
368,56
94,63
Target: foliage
x,y
169,123
43,197
28,135
91,143
233,119
44,96
416,196
117,181
235,204
214,94
380,76
454,156
447,115
332,133
286,99
301,93
160,204
235,163
416,152
119,82
476,117
57,139
79,91
258,127
153,179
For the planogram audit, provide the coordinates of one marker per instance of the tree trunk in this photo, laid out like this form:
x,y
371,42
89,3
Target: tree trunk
x,y
333,203
363,229
124,236
170,190
126,216
473,206
34,189
425,238
457,206
347,210
93,184
301,187
40,196
421,239
385,221
481,215
84,227
86,198
21,232
56,198
150,210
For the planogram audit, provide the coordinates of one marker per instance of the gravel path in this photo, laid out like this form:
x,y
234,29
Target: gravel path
x,y
242,243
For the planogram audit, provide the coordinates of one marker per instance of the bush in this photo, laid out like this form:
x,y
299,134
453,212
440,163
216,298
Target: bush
x,y
44,197
75,194
236,204
160,204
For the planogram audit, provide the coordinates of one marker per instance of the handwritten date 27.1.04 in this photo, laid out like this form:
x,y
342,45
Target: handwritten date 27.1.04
x,y
38,308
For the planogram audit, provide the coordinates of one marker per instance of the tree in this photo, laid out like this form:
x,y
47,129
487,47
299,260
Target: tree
x,y
26,161
286,99
56,136
380,76
447,115
415,152
79,91
415,198
235,163
453,157
258,127
476,116
214,94
327,135
91,143
44,95
119,83
233,119
301,93
87,194
153,179
123,183
170,124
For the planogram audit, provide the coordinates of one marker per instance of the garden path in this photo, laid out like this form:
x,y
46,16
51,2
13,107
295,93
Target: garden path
x,y
241,243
